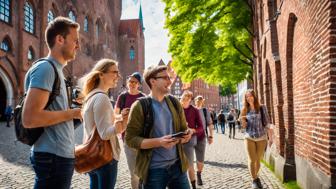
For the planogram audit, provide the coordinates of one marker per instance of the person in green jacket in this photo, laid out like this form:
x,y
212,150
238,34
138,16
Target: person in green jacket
x,y
160,160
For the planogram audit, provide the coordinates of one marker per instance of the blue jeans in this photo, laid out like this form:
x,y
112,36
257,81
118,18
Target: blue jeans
x,y
52,171
104,177
172,177
223,127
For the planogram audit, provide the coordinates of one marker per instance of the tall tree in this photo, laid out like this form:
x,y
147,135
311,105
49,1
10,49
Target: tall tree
x,y
210,39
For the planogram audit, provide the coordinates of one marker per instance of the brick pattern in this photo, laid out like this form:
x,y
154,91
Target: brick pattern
x,y
296,56
108,44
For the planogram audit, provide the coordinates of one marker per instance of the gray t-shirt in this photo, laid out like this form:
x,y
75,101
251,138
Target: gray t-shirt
x,y
59,138
163,125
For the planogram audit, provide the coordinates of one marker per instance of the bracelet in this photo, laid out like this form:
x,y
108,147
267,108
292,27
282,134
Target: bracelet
x,y
210,137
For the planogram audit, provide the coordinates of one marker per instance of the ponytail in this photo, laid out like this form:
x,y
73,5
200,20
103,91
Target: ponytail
x,y
91,82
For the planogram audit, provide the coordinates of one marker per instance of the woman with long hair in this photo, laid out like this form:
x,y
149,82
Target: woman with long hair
x,y
98,113
254,118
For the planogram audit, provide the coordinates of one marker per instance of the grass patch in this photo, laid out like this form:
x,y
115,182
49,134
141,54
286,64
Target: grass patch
x,y
291,185
288,185
270,167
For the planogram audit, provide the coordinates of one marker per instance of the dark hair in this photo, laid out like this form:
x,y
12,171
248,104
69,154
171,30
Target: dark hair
x,y
151,73
59,26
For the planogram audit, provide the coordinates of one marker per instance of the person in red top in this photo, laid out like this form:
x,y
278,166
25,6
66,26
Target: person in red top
x,y
198,141
125,101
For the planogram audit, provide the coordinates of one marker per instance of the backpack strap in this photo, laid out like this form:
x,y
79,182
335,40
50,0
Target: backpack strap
x,y
146,105
122,101
56,85
206,120
174,102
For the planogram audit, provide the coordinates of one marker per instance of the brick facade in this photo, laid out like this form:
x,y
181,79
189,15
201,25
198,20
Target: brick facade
x,y
295,77
198,87
107,37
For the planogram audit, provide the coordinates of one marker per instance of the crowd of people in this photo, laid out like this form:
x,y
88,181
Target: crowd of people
x,y
161,134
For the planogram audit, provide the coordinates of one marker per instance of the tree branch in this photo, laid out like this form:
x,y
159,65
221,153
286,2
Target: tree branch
x,y
241,52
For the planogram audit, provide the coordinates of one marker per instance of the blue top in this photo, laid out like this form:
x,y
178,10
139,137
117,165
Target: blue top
x,y
163,125
255,128
57,139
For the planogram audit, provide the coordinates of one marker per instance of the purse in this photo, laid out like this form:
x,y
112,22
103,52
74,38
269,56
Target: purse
x,y
93,153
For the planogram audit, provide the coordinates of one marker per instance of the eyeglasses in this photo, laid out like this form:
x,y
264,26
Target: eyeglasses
x,y
162,77
133,82
114,72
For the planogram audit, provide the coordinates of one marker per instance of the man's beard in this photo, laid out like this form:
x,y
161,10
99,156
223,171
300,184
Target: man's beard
x,y
67,55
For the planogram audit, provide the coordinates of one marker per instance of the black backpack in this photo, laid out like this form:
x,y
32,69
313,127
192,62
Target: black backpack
x,y
30,136
146,104
122,100
205,113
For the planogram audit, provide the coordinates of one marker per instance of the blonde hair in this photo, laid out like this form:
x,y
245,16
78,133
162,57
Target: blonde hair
x,y
92,79
246,106
186,94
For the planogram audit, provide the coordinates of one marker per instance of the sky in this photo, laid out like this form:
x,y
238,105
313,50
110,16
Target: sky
x,y
156,37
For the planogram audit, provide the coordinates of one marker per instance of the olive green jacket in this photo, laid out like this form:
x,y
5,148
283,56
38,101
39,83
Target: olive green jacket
x,y
134,133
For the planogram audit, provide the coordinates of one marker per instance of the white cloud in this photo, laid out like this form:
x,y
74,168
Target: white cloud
x,y
156,37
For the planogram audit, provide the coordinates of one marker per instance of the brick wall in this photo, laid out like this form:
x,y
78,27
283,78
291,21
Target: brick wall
x,y
296,57
106,45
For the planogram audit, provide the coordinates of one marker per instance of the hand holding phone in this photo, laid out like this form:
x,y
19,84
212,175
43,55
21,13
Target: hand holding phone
x,y
178,135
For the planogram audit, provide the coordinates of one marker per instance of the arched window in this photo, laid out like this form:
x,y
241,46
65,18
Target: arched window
x,y
5,45
30,54
86,24
50,16
132,53
5,11
29,17
72,16
97,30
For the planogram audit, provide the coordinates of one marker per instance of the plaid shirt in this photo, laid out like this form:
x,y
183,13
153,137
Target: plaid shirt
x,y
255,128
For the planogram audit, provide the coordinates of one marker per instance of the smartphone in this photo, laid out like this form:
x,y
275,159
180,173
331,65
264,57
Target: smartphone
x,y
179,135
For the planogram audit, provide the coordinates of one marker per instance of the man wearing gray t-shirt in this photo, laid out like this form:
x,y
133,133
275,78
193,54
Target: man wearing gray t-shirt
x,y
52,155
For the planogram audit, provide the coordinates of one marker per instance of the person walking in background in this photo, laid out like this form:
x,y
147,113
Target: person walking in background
x,y
208,128
160,160
125,101
254,118
197,143
8,114
98,114
52,155
221,121
214,119
232,123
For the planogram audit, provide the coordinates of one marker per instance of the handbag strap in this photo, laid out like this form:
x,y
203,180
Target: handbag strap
x,y
94,126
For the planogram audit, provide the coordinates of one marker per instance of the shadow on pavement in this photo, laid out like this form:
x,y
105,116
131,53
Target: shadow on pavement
x,y
224,165
15,152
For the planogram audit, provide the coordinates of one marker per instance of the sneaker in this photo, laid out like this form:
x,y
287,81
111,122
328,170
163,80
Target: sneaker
x,y
199,179
255,185
259,183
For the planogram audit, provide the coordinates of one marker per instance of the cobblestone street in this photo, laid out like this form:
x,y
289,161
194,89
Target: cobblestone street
x,y
225,165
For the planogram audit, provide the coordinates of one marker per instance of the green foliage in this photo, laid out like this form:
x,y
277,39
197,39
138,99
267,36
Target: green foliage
x,y
291,185
210,39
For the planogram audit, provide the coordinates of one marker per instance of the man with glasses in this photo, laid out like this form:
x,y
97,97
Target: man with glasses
x,y
125,101
160,160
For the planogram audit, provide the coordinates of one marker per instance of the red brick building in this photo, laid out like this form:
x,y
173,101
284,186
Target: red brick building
x,y
295,44
102,35
198,87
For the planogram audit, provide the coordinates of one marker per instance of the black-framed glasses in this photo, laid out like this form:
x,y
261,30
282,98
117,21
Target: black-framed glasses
x,y
162,77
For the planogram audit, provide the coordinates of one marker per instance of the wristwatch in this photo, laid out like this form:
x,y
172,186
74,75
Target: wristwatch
x,y
210,137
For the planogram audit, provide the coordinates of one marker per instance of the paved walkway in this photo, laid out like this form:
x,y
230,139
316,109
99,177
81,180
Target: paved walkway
x,y
225,165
